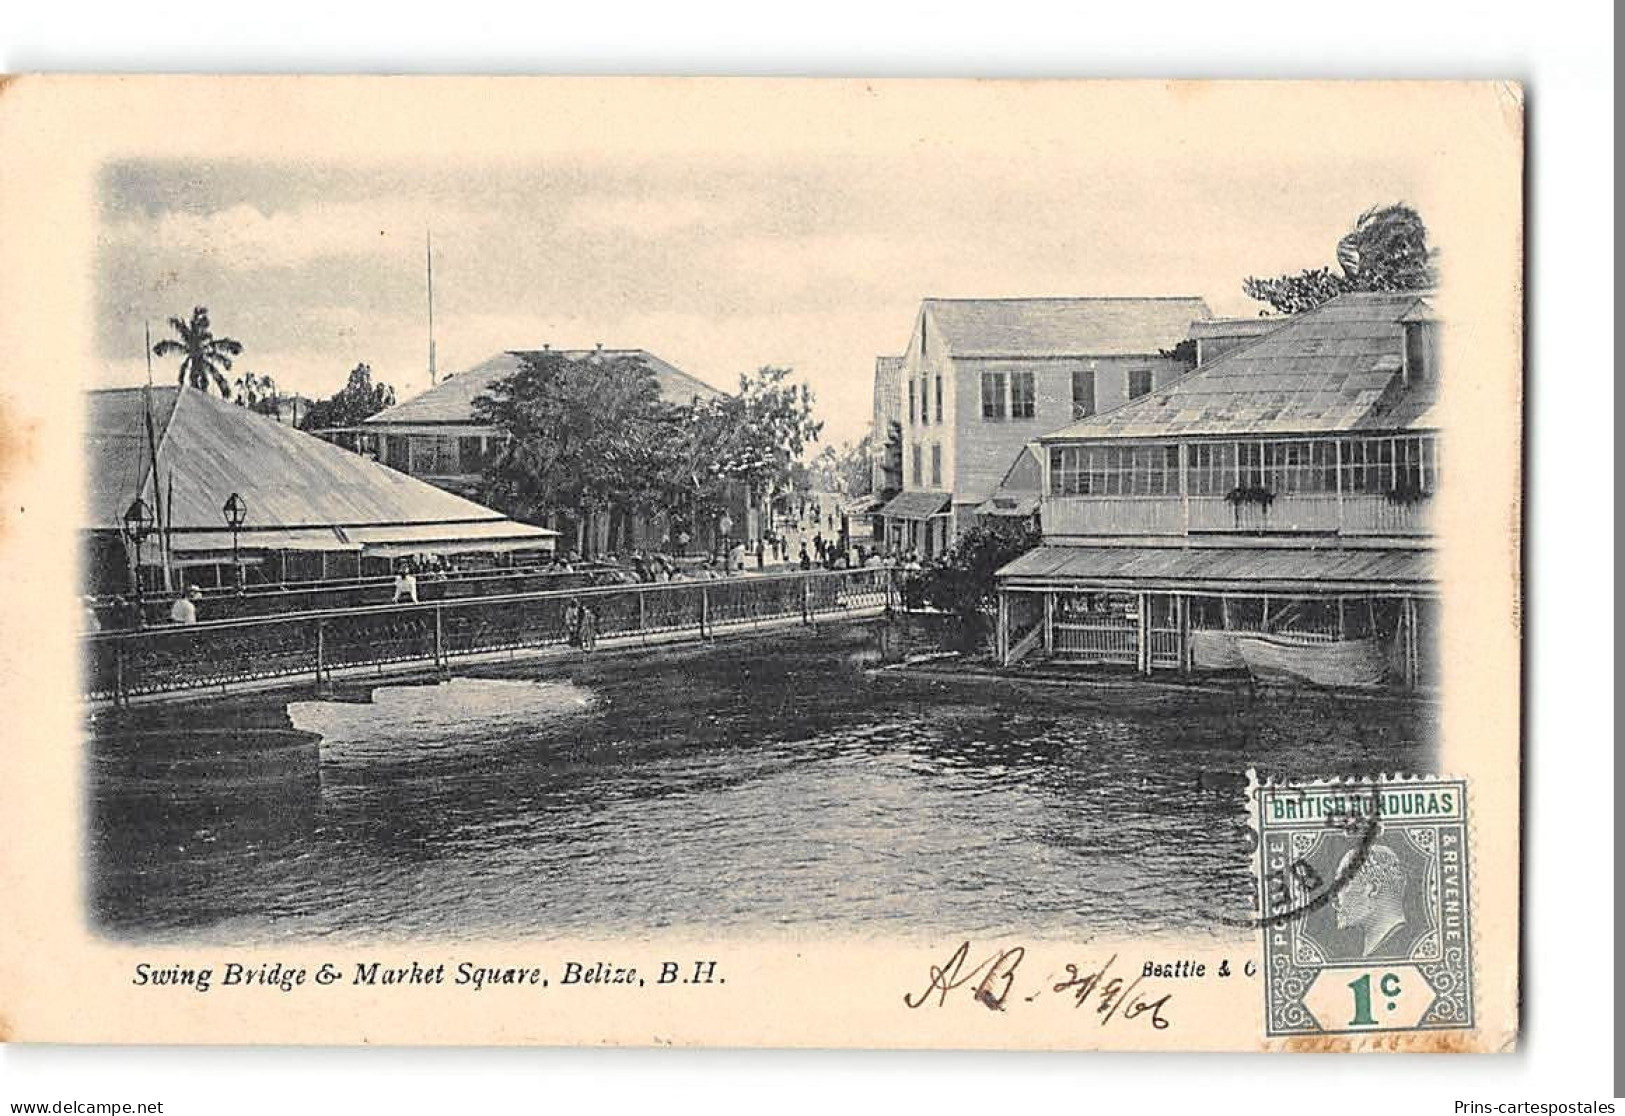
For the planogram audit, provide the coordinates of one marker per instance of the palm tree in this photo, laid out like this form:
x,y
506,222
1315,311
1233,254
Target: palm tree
x,y
252,390
205,358
1387,250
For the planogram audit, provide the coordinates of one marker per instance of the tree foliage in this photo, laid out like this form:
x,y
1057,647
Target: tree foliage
x,y
593,434
205,358
257,393
963,581
582,435
1386,250
359,399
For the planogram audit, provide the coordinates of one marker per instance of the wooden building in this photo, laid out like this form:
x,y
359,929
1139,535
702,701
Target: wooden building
x,y
1268,511
435,437
310,510
983,377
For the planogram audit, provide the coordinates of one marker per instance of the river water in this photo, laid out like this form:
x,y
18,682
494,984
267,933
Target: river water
x,y
748,789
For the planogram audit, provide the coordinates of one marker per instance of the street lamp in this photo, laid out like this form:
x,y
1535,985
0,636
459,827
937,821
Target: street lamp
x,y
235,511
138,524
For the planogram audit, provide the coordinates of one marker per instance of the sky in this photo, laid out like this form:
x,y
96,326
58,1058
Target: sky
x,y
719,263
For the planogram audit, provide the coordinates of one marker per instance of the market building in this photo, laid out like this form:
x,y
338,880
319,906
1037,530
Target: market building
x,y
983,377
188,488
1270,511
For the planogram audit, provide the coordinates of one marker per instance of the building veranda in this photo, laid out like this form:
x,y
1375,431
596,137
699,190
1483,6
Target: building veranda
x,y
1268,512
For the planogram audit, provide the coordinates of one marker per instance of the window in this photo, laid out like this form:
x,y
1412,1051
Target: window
x,y
1083,392
470,455
1285,468
1114,471
992,396
1420,349
396,455
925,401
423,456
936,466
1212,468
1377,466
915,472
939,400
1023,397
1139,382
911,402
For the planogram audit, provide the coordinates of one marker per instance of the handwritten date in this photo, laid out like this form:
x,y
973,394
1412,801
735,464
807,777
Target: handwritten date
x,y
992,982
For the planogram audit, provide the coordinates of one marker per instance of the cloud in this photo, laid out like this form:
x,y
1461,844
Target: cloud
x,y
243,236
644,217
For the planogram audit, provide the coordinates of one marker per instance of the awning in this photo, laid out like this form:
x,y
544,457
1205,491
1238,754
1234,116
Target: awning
x,y
450,538
1219,569
276,538
494,546
917,505
1017,504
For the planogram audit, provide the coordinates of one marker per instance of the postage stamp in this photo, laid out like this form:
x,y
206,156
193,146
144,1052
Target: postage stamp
x,y
1364,904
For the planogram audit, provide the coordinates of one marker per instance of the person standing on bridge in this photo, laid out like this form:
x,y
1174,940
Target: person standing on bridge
x,y
184,610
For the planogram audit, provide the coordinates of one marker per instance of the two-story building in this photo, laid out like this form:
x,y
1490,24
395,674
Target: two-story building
x,y
1269,511
983,377
436,437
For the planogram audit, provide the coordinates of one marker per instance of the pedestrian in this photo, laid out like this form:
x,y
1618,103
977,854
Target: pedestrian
x,y
91,622
572,622
184,610
682,542
587,633
406,585
806,559
761,555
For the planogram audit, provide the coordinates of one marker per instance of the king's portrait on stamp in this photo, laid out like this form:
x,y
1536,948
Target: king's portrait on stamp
x,y
1365,916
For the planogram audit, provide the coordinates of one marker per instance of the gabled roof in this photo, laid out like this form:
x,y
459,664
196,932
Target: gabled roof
x,y
452,400
1335,368
1061,327
292,482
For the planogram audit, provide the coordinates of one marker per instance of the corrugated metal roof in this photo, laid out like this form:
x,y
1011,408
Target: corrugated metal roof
x,y
452,401
290,480
116,447
1235,327
1197,567
1057,327
1335,368
916,505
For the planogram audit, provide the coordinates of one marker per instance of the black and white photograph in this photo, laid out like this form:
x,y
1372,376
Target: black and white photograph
x,y
827,562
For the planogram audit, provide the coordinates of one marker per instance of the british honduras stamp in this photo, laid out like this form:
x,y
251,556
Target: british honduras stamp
x,y
1364,905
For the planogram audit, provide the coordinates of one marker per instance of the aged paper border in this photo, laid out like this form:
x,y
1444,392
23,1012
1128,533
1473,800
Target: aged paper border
x,y
59,982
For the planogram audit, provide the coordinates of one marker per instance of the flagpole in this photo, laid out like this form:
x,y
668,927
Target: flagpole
x,y
152,453
428,254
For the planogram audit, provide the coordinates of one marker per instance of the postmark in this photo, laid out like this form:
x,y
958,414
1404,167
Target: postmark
x,y
1364,905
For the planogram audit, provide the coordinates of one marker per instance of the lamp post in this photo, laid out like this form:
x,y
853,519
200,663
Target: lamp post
x,y
235,511
138,525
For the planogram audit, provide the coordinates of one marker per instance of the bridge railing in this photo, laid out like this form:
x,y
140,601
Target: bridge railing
x,y
218,654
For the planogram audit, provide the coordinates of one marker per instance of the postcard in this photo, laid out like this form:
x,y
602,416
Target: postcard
x,y
746,562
